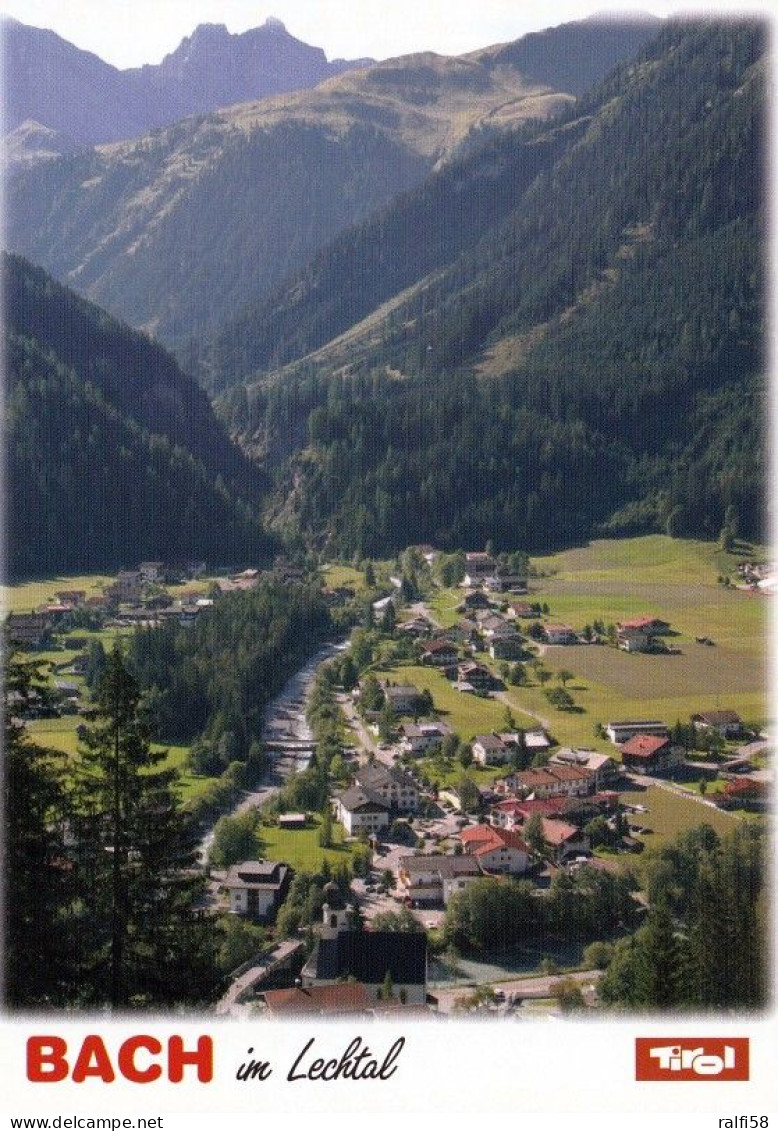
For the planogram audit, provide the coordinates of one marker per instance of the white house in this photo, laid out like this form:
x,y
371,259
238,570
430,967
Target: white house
x,y
489,750
418,738
403,698
495,849
391,786
602,766
619,732
560,634
727,723
359,809
256,887
428,880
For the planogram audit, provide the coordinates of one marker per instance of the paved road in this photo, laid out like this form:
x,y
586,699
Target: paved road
x,y
367,741
522,988
646,781
232,1004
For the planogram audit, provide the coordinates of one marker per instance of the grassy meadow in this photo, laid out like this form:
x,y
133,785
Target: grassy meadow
x,y
28,595
301,848
61,734
675,579
668,813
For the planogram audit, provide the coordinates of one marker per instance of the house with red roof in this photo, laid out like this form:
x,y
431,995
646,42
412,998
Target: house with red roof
x,y
564,840
652,626
513,813
496,850
650,754
745,793
636,635
548,781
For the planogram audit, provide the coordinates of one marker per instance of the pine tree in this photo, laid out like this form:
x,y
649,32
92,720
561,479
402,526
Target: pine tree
x,y
36,883
141,943
658,963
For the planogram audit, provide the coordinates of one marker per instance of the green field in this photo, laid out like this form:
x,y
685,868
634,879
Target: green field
x,y
60,734
651,558
467,714
28,595
301,849
655,575
342,575
443,606
669,814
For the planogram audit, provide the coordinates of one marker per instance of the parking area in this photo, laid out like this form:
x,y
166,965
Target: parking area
x,y
436,833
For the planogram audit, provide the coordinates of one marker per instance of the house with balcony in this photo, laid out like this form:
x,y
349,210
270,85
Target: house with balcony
x,y
496,849
429,881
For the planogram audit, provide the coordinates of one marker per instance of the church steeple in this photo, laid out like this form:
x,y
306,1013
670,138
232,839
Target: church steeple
x,y
336,915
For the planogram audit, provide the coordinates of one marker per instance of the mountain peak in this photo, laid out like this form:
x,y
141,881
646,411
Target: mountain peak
x,y
272,23
204,33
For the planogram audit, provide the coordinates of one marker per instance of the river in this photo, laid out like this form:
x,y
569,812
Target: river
x,y
285,722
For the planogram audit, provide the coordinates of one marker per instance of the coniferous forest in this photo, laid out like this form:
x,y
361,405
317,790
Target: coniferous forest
x,y
593,363
557,334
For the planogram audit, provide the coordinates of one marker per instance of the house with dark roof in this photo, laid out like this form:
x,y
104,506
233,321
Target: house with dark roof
x,y
474,600
724,722
257,888
474,677
367,957
29,630
395,788
478,566
357,808
440,653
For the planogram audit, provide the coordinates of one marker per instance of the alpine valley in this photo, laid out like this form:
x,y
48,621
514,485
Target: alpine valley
x,y
516,295
385,512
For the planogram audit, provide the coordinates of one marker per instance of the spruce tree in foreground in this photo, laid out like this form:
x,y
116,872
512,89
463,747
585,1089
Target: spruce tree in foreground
x,y
141,943
36,882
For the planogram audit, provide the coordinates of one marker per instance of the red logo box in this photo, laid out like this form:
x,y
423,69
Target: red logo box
x,y
691,1058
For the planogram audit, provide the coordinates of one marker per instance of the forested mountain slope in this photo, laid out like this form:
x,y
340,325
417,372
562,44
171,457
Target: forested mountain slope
x,y
112,454
594,361
177,231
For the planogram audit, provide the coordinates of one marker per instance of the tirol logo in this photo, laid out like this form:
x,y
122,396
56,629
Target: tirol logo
x,y
691,1058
